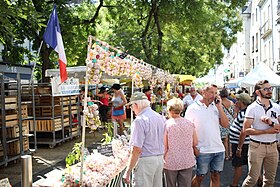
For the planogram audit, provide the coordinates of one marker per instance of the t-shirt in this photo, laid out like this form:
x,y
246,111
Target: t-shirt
x,y
236,128
188,100
255,111
206,121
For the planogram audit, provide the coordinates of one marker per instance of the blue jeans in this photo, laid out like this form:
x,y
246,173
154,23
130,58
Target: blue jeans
x,y
213,160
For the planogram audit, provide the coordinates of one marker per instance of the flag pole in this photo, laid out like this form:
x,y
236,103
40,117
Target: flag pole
x,y
34,65
85,107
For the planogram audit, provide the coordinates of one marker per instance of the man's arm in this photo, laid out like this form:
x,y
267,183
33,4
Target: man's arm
x,y
133,158
248,130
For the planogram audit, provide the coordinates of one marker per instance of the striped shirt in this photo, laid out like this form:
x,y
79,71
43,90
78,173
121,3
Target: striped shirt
x,y
236,128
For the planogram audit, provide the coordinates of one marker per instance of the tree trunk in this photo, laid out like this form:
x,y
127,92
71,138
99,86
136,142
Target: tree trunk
x,y
45,54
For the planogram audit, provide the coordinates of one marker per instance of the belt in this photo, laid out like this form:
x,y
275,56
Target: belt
x,y
265,143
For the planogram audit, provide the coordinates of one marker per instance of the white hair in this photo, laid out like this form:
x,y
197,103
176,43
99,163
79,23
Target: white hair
x,y
142,104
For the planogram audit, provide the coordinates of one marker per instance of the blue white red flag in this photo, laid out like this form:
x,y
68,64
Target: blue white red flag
x,y
53,38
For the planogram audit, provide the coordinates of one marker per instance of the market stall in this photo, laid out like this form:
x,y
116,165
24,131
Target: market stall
x,y
103,60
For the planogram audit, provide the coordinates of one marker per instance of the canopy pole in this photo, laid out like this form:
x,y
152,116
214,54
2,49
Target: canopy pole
x,y
85,108
132,91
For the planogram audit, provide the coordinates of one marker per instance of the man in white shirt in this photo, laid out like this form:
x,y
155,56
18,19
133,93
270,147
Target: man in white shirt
x,y
207,116
262,124
192,97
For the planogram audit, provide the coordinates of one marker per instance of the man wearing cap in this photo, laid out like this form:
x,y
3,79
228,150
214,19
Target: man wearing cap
x,y
239,141
262,124
147,144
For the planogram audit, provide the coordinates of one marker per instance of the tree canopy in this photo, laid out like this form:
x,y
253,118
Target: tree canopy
x,y
184,37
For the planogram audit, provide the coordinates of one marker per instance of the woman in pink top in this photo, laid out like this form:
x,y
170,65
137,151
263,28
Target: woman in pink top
x,y
180,142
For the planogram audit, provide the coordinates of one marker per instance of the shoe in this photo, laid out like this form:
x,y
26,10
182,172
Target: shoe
x,y
233,186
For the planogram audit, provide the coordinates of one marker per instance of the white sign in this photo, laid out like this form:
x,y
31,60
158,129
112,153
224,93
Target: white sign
x,y
69,87
5,183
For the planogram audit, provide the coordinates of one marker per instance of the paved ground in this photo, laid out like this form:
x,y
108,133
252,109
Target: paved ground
x,y
46,159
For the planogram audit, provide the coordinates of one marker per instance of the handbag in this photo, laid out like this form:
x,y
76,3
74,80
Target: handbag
x,y
118,111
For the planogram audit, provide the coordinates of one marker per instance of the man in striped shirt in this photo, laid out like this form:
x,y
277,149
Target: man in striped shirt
x,y
238,139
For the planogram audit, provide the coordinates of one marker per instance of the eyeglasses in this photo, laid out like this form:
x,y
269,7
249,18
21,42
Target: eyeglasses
x,y
267,89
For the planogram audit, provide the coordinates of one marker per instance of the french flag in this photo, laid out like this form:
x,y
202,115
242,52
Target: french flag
x,y
53,38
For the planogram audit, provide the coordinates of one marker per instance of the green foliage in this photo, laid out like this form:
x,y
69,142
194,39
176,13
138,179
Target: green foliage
x,y
108,136
74,156
184,37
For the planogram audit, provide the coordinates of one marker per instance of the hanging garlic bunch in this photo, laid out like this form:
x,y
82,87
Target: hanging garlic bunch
x,y
92,116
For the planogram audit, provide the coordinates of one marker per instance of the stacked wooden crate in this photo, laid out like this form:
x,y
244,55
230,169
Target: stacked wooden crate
x,y
12,125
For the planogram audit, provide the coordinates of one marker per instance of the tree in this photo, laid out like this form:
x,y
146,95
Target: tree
x,y
181,36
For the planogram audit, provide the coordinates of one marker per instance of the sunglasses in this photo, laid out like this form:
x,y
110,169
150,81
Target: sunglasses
x,y
267,89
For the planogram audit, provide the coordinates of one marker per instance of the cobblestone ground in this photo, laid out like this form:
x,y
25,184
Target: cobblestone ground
x,y
46,159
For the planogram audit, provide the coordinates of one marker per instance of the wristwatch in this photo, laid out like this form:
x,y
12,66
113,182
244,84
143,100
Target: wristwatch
x,y
238,149
272,124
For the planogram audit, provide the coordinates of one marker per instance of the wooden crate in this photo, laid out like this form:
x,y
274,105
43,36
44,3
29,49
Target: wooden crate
x,y
66,121
25,127
65,110
73,99
43,90
13,132
47,112
13,148
1,151
75,131
10,102
11,118
47,100
46,125
24,111
30,125
64,100
25,143
74,109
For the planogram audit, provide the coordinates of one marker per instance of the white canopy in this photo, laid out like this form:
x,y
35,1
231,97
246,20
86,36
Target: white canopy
x,y
234,83
260,72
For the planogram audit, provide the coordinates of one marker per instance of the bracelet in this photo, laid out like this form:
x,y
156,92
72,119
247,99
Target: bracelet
x,y
272,124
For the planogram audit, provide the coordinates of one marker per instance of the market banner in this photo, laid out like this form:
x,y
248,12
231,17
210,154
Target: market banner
x,y
69,87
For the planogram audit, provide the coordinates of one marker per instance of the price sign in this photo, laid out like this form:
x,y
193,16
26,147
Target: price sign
x,y
5,183
105,150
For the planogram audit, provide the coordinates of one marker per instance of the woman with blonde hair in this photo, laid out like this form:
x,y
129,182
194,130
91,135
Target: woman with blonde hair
x,y
180,142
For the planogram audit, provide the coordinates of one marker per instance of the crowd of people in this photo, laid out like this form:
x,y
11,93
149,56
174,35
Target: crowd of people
x,y
201,130
214,127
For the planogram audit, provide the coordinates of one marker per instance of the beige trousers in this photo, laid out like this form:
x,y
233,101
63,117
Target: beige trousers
x,y
262,155
148,172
